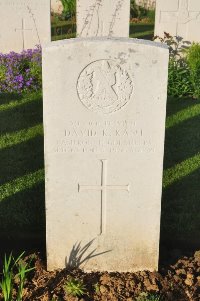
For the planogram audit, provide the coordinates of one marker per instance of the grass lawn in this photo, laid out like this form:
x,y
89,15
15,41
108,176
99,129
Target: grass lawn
x,y
181,181
65,29
142,31
22,165
22,197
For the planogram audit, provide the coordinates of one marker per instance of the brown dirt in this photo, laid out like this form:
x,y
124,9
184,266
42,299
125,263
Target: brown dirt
x,y
178,282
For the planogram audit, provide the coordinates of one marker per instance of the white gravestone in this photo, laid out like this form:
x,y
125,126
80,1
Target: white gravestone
x,y
98,18
24,24
178,18
104,122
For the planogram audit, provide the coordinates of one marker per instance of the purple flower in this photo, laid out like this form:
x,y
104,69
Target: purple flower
x,y
22,71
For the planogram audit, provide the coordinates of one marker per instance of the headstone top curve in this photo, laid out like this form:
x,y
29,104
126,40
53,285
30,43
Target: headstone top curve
x,y
105,39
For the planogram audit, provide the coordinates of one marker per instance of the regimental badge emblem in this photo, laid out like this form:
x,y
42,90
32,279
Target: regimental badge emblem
x,y
104,86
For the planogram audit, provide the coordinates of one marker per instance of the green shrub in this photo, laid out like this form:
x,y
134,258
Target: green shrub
x,y
35,71
137,11
151,15
69,9
184,67
193,61
179,81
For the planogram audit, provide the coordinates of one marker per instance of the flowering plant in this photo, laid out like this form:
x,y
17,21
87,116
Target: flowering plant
x,y
21,72
184,66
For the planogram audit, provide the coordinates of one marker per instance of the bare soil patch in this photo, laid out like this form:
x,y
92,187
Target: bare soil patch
x,y
178,282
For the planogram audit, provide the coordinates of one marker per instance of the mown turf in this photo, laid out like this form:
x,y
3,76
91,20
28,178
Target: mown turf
x,y
181,181
22,164
22,168
65,30
142,31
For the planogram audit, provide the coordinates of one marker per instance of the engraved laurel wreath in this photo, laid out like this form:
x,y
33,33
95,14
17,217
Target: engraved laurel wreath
x,y
104,87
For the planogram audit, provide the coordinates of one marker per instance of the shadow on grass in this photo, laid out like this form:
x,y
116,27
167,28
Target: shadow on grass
x,y
182,141
21,117
6,98
21,159
22,205
140,28
23,211
22,222
141,31
176,104
180,209
180,221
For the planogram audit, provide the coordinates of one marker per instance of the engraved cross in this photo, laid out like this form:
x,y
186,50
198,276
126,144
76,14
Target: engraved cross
x,y
182,16
103,188
23,30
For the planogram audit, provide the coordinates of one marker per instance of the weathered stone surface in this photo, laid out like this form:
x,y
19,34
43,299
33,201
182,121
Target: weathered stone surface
x,y
98,18
178,18
24,24
104,121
